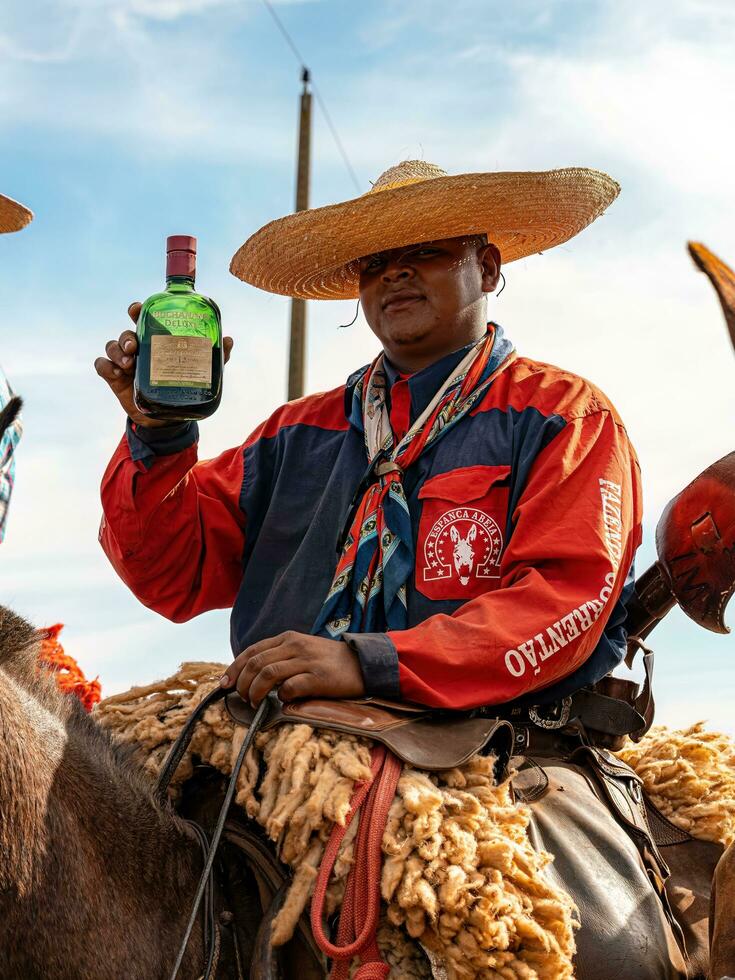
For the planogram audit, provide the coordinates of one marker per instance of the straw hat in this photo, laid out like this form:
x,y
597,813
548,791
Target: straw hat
x,y
312,254
13,216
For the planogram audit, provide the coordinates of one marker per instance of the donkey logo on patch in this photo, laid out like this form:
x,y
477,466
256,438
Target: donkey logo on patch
x,y
463,544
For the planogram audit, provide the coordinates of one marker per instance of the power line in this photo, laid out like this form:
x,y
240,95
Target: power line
x,y
282,29
322,105
337,140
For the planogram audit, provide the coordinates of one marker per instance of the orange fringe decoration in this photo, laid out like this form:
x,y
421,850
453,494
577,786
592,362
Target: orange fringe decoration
x,y
69,676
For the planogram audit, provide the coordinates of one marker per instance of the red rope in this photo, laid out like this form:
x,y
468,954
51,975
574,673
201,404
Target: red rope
x,y
358,920
68,674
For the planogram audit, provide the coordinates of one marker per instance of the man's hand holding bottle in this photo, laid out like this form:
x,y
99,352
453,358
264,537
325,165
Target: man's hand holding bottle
x,y
170,370
118,370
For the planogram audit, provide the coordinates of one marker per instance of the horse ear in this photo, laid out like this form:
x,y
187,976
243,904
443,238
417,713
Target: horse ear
x,y
454,533
472,534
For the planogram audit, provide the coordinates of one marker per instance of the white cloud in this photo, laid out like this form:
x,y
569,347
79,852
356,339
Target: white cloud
x,y
143,74
168,9
44,32
658,110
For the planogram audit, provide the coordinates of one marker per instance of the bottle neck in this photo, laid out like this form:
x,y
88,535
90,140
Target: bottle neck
x,y
181,264
179,284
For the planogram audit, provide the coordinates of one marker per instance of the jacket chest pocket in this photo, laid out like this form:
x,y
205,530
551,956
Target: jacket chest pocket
x,y
461,532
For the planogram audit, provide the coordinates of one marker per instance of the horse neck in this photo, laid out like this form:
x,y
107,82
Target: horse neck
x,y
98,874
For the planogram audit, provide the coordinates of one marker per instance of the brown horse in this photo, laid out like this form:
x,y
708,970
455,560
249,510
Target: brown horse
x,y
96,879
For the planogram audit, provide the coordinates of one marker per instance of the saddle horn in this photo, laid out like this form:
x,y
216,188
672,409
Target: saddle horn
x,y
695,543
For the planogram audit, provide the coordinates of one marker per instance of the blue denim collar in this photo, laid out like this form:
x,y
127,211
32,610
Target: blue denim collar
x,y
424,384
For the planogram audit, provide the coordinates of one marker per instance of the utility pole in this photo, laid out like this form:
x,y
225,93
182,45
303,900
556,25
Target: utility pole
x,y
297,341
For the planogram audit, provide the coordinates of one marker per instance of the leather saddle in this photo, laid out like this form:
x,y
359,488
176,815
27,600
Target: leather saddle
x,y
419,736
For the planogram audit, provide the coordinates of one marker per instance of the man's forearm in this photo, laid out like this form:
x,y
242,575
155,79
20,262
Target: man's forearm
x,y
171,526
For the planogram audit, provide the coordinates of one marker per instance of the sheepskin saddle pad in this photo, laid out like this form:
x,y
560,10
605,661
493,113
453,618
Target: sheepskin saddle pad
x,y
468,884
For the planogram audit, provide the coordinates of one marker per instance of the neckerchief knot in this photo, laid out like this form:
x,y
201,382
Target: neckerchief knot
x,y
368,591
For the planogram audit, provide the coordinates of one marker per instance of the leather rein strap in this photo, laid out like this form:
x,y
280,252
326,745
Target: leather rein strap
x,y
211,933
206,881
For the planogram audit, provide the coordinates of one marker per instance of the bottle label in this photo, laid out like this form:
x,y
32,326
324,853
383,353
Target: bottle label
x,y
181,360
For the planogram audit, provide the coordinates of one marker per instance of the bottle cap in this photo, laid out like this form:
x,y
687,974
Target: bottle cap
x,y
181,243
181,256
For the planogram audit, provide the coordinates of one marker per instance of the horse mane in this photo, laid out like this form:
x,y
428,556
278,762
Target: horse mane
x,y
16,637
20,643
19,648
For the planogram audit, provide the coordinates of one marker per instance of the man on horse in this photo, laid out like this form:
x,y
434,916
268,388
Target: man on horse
x,y
454,526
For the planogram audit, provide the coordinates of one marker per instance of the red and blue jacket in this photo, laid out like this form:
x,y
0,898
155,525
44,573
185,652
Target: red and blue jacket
x,y
526,518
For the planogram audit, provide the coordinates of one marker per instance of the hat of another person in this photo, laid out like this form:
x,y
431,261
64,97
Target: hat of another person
x,y
13,216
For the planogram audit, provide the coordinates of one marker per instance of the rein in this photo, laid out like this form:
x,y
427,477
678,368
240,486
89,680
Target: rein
x,y
205,888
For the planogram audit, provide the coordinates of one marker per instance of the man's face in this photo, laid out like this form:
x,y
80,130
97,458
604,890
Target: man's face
x,y
424,301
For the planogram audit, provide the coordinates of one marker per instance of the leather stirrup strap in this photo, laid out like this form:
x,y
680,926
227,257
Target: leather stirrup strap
x,y
644,704
358,921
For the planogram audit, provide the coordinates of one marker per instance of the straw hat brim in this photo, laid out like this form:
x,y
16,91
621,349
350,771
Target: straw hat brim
x,y
13,216
312,254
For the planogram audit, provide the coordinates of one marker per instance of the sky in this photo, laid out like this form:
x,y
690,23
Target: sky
x,y
124,121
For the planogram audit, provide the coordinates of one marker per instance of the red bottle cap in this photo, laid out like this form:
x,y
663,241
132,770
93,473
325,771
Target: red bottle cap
x,y
181,243
181,255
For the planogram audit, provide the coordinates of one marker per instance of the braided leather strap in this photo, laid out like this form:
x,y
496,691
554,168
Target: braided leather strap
x,y
358,921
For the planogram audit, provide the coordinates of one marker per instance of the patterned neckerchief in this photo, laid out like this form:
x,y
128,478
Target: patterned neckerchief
x,y
368,591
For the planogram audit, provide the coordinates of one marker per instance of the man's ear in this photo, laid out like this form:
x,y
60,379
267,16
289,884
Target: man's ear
x,y
489,256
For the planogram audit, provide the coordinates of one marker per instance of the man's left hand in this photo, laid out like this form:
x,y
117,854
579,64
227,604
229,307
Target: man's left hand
x,y
299,665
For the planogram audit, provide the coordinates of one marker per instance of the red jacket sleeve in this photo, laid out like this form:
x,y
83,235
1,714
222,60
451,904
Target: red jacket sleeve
x,y
576,529
174,530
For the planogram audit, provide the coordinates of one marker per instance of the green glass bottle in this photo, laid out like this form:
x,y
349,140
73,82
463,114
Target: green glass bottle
x,y
178,372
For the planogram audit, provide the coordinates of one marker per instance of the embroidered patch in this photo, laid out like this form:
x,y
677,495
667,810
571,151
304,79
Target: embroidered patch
x,y
460,541
463,545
